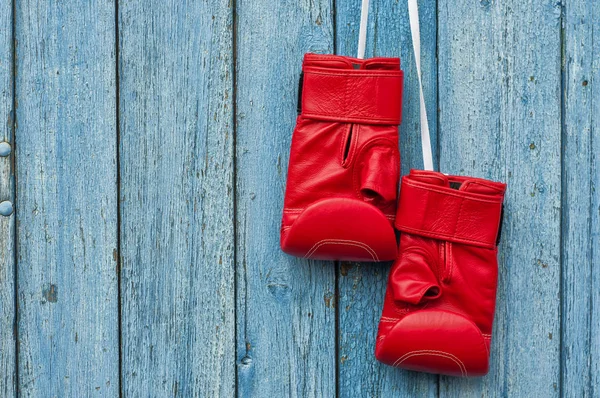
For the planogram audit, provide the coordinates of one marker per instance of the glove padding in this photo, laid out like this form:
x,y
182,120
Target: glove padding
x,y
342,183
439,305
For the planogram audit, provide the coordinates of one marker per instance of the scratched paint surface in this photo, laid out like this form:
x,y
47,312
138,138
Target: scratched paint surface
x,y
8,380
143,157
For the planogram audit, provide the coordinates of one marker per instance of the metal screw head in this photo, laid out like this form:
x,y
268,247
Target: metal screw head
x,y
4,149
6,208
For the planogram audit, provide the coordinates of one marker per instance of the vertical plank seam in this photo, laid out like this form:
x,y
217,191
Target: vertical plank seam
x,y
502,124
118,181
563,200
591,210
13,166
337,325
437,125
336,281
437,89
334,24
234,191
590,218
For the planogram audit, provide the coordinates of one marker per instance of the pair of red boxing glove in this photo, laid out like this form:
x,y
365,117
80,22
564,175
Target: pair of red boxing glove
x,y
341,204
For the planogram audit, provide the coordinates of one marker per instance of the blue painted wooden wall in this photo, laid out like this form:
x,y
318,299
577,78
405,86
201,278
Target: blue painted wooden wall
x,y
143,157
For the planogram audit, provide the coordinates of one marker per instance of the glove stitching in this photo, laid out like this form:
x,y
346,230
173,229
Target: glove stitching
x,y
294,211
450,261
475,326
345,106
406,310
469,196
353,119
342,243
443,354
389,320
482,183
441,259
436,235
426,174
451,255
396,75
462,202
362,245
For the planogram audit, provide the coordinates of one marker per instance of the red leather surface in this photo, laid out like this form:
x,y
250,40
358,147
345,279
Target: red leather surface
x,y
341,193
440,212
439,306
352,95
325,231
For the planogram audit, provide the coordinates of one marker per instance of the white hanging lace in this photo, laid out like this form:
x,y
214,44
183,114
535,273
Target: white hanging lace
x,y
413,16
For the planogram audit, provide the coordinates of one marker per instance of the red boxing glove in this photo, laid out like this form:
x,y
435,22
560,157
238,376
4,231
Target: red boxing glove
x,y
439,305
340,199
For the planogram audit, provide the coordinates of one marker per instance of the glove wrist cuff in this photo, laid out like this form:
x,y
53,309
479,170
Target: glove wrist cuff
x,y
352,95
454,215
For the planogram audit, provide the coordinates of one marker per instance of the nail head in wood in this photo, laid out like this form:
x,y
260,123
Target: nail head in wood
x,y
6,208
4,149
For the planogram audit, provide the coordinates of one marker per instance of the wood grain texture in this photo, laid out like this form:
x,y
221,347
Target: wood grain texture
x,y
176,152
66,199
581,210
285,305
195,134
500,118
362,286
594,170
7,193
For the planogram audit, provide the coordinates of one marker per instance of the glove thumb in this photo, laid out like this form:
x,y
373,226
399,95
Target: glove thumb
x,y
379,175
412,280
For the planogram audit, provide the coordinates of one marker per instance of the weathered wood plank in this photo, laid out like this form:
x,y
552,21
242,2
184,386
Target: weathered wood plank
x,y
362,286
594,292
176,152
285,306
66,198
500,101
581,210
7,197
